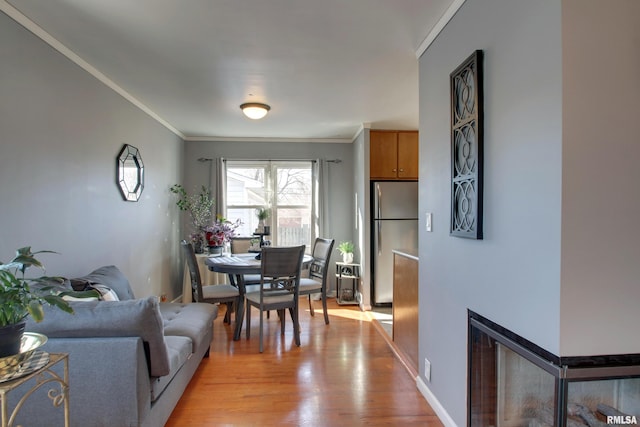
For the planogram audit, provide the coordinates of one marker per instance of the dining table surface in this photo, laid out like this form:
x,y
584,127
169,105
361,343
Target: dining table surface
x,y
236,266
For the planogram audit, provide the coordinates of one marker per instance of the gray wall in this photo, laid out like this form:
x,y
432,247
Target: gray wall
x,y
513,275
60,133
341,190
559,260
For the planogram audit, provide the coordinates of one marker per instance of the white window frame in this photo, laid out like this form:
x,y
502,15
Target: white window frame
x,y
270,168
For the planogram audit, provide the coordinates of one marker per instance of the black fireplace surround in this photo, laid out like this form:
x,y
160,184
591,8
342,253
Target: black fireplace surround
x,y
512,382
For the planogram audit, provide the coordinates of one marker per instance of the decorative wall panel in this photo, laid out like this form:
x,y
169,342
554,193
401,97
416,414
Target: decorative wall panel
x,y
466,148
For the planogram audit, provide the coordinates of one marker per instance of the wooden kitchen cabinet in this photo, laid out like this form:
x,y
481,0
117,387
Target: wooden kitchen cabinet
x,y
393,155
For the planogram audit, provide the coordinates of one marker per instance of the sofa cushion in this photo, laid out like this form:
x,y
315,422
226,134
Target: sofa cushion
x,y
192,320
109,276
131,318
179,350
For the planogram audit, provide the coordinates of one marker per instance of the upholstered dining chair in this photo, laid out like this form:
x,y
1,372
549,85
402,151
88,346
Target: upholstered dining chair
x,y
223,293
279,288
241,245
316,283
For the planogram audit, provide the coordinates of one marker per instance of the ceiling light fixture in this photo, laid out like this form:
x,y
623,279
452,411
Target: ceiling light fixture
x,y
255,110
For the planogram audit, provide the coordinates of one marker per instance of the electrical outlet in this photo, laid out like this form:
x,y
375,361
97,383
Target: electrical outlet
x,y
427,369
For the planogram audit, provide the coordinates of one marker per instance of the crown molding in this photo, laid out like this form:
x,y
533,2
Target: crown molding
x,y
34,28
258,139
442,22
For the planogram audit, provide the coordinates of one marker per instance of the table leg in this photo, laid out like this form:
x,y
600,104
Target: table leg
x,y
238,281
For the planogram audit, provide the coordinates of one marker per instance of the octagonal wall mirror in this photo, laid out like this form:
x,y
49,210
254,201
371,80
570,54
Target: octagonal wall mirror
x,y
130,173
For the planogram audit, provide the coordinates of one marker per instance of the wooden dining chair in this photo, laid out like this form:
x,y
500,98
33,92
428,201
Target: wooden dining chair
x,y
279,288
223,293
316,283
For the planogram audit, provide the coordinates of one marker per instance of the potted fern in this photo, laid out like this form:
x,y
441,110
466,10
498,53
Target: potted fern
x,y
21,296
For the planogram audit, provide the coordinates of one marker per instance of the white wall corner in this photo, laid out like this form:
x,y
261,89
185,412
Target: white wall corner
x,y
435,403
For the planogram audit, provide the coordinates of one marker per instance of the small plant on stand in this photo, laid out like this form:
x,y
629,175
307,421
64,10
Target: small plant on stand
x,y
263,214
346,249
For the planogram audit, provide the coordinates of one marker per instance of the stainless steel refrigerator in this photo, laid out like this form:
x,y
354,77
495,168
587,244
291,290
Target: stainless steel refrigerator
x,y
395,226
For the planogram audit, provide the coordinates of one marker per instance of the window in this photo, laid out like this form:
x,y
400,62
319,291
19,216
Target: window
x,y
284,187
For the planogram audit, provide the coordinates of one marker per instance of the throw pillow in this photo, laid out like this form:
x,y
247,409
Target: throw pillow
x,y
106,293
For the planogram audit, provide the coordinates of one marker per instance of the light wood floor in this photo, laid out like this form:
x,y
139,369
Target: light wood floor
x,y
343,374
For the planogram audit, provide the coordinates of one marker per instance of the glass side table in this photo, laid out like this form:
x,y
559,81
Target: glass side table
x,y
59,393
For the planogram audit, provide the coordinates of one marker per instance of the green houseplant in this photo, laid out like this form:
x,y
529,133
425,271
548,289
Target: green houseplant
x,y
21,296
263,214
200,208
346,249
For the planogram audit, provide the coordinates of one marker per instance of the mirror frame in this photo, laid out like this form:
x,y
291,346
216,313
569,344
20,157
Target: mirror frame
x,y
130,193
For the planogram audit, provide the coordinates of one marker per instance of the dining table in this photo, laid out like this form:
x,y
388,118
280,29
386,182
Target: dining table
x,y
236,266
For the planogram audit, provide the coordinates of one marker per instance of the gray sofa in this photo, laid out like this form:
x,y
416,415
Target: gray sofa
x,y
129,360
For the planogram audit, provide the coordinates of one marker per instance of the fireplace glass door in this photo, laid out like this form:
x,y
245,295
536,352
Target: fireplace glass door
x,y
513,383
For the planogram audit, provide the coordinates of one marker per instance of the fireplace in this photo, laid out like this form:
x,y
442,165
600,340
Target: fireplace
x,y
515,383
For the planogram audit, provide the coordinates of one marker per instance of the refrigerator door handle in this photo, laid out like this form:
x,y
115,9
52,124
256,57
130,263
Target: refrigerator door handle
x,y
379,237
379,201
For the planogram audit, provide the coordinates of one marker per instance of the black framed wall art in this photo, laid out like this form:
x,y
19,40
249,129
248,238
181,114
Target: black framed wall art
x,y
467,148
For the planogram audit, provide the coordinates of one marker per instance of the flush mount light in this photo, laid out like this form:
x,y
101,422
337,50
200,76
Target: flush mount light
x,y
255,110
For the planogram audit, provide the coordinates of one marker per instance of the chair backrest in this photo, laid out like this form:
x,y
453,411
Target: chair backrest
x,y
240,245
280,268
321,255
194,271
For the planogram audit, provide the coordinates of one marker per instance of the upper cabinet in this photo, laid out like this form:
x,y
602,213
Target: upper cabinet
x,y
393,154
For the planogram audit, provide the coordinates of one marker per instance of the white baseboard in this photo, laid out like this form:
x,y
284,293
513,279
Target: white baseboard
x,y
435,403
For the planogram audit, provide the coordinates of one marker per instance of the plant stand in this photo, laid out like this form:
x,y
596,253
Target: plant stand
x,y
347,281
43,376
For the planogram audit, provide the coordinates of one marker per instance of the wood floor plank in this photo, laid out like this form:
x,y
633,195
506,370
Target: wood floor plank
x,y
343,374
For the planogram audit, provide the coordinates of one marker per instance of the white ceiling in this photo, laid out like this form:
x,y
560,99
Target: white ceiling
x,y
326,67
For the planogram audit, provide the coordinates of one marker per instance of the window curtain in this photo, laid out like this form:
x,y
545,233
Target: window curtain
x,y
220,189
322,225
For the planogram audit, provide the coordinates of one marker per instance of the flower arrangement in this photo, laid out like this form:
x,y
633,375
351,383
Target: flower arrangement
x,y
200,206
221,231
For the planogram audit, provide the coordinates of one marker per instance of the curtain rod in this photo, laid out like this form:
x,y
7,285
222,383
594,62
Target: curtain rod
x,y
282,160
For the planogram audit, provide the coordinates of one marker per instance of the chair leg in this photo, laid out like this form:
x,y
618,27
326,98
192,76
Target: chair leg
x,y
227,314
296,324
248,327
261,327
311,306
324,307
282,316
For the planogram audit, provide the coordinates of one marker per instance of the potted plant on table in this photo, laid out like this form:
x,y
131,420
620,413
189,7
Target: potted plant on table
x,y
219,233
200,208
346,249
21,296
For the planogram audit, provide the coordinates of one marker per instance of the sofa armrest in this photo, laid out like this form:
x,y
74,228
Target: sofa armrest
x,y
131,318
108,383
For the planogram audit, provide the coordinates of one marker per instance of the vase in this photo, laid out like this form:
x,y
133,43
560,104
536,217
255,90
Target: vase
x,y
216,250
10,339
347,257
198,247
